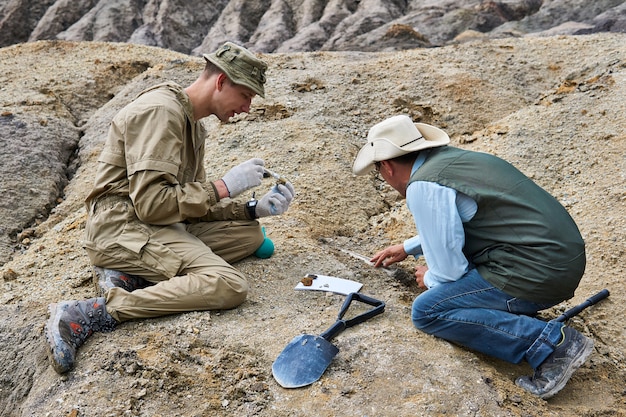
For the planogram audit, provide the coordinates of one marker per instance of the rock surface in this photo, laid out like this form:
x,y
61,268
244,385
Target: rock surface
x,y
302,25
554,106
281,27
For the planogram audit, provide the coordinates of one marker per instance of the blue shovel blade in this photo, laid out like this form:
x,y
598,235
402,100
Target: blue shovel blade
x,y
303,361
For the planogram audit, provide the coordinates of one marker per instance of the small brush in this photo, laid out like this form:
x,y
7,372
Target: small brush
x,y
279,178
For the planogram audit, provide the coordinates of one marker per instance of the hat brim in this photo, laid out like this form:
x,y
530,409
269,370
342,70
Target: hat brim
x,y
382,149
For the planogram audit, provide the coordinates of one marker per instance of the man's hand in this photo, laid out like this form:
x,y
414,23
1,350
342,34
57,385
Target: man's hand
x,y
389,256
244,176
420,271
276,201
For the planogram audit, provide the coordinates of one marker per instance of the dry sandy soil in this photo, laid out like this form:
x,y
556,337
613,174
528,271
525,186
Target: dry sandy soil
x,y
553,106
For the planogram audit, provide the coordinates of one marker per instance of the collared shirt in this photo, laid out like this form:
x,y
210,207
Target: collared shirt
x,y
439,213
154,154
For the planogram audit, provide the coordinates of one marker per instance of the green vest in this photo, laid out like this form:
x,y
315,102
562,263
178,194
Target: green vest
x,y
521,239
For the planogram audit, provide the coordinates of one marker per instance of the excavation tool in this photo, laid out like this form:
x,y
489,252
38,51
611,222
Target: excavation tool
x,y
399,274
390,271
279,178
594,299
306,357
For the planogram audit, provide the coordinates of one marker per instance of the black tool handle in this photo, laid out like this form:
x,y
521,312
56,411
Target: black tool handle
x,y
580,307
340,325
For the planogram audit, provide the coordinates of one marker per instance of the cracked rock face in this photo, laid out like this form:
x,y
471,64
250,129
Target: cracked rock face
x,y
302,26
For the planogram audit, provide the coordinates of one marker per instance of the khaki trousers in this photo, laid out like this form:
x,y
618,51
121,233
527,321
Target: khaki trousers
x,y
189,264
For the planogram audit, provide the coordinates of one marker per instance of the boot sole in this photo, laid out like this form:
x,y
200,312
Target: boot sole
x,y
582,356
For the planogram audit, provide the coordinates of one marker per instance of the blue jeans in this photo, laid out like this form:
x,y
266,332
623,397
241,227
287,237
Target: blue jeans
x,y
473,313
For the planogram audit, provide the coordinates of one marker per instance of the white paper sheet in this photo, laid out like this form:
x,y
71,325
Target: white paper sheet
x,y
331,284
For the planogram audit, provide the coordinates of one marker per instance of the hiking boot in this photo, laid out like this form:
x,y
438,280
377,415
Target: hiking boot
x,y
70,324
105,279
552,375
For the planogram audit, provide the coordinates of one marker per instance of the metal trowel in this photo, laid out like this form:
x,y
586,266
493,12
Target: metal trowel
x,y
306,357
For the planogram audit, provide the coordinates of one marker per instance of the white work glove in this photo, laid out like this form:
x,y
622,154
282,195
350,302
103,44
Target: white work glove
x,y
276,201
244,176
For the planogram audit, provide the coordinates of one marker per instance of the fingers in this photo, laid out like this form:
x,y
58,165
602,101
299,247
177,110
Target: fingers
x,y
244,176
420,282
278,204
278,200
389,256
253,170
382,258
255,166
255,161
287,191
420,272
377,259
272,204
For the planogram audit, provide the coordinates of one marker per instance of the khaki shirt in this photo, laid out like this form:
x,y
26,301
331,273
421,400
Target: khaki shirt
x,y
154,156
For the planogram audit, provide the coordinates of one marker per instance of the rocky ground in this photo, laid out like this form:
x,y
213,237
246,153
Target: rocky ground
x,y
553,106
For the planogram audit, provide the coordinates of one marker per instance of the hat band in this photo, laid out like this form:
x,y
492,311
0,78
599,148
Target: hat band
x,y
411,141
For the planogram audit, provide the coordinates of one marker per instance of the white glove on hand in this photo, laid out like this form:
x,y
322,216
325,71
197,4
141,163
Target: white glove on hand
x,y
244,176
276,201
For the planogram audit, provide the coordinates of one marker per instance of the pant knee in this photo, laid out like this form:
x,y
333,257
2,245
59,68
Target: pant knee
x,y
236,293
238,297
421,319
420,322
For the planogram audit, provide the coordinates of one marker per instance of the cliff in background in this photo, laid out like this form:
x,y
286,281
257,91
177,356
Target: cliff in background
x,y
302,25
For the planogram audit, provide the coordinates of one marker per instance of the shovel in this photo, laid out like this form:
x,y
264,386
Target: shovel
x,y
306,357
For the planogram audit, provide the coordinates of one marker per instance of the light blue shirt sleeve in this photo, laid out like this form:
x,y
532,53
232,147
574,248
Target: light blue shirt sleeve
x,y
413,246
439,213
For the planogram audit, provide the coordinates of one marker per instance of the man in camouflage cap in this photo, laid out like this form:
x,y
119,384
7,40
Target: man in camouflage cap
x,y
162,238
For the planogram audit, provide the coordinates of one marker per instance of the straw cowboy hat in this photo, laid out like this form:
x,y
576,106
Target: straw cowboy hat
x,y
395,137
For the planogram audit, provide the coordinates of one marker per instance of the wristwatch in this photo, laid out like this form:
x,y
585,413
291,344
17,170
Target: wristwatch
x,y
251,207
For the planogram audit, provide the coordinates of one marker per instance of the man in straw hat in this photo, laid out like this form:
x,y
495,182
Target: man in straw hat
x,y
152,215
498,247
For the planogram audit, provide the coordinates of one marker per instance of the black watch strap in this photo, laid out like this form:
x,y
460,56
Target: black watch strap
x,y
251,208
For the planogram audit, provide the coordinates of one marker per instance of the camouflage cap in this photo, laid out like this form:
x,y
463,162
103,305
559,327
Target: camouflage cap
x,y
241,66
